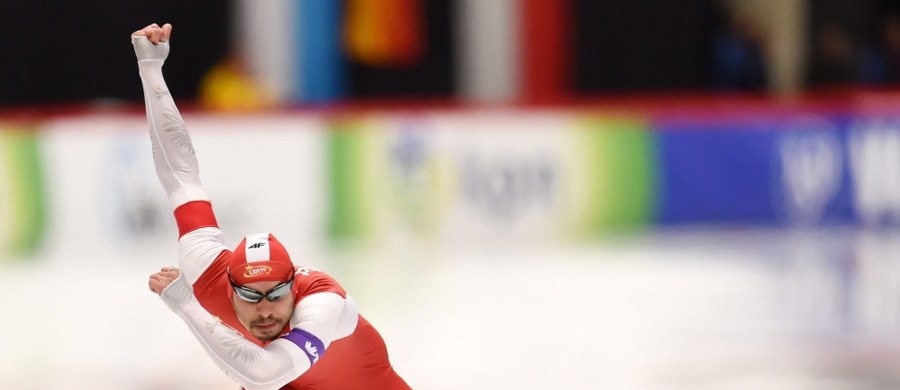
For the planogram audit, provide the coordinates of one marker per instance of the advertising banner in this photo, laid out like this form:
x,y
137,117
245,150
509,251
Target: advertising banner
x,y
798,169
262,174
470,177
455,177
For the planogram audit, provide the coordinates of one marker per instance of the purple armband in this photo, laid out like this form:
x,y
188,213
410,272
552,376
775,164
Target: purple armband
x,y
310,344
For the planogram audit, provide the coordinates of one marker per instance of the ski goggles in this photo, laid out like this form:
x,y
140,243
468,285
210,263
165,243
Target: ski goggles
x,y
254,296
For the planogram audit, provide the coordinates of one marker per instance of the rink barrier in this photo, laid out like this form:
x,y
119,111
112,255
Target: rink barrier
x,y
465,176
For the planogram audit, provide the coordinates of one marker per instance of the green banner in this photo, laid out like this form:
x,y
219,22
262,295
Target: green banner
x,y
615,158
348,209
22,193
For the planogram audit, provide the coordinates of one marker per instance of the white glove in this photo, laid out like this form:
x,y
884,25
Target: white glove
x,y
146,50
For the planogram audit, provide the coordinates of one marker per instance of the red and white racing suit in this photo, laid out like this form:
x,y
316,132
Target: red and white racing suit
x,y
327,344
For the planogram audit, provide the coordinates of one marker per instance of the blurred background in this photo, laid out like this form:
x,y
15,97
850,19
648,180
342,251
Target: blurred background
x,y
699,194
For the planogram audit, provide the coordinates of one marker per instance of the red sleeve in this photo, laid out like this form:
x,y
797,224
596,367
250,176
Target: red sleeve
x,y
194,215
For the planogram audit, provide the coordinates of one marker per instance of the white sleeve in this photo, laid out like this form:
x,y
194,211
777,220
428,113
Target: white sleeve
x,y
197,250
323,318
173,152
174,158
251,366
326,315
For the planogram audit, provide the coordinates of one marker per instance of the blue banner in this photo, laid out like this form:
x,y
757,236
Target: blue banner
x,y
794,170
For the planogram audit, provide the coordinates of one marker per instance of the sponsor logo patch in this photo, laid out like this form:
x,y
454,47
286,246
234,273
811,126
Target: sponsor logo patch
x,y
252,271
